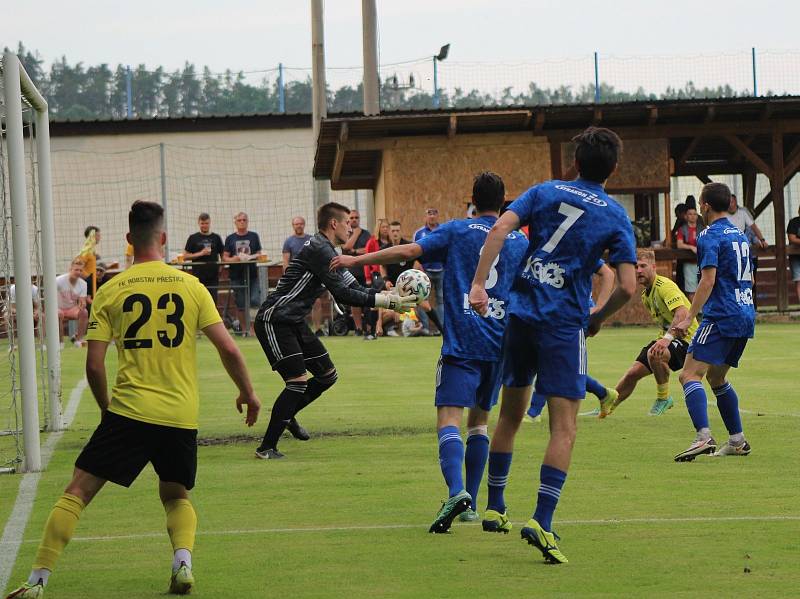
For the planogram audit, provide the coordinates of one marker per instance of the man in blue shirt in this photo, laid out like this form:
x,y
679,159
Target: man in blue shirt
x,y
571,225
725,297
433,268
470,365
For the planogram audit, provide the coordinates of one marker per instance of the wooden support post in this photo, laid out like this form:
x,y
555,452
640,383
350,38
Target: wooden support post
x,y
667,220
754,158
749,188
777,181
341,147
555,159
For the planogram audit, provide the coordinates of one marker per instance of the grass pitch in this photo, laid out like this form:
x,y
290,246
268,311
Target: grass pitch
x,y
347,513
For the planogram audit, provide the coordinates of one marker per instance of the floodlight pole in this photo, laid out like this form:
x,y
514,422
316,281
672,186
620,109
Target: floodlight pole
x,y
281,90
319,105
22,263
369,21
435,84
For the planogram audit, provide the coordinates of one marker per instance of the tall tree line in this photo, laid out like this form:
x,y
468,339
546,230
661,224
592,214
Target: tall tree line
x,y
76,91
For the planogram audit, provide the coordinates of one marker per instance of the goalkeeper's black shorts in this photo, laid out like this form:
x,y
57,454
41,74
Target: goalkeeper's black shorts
x,y
292,349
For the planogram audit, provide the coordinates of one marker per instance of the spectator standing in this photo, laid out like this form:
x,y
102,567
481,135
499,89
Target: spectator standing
x,y
89,256
687,240
356,246
434,270
793,232
128,255
741,217
373,317
72,292
294,243
205,247
242,246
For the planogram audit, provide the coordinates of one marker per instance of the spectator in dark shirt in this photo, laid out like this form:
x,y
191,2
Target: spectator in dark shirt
x,y
294,243
241,246
355,246
793,232
205,246
687,240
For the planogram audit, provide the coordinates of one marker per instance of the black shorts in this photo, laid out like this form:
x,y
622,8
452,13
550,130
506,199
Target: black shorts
x,y
121,447
292,349
677,354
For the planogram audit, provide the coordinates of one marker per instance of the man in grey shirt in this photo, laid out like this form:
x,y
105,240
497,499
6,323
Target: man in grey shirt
x,y
740,216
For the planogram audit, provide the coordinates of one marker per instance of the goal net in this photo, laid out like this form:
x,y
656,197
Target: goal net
x,y
29,348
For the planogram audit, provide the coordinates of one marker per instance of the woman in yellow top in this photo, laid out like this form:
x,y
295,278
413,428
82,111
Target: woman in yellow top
x,y
89,257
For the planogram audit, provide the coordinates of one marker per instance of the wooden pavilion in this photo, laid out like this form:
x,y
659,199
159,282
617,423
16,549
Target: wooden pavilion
x,y
414,159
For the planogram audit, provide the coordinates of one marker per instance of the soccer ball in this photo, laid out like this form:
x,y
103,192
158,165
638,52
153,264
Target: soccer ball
x,y
414,282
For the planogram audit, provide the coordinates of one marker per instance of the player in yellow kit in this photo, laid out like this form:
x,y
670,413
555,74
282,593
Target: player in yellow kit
x,y
667,305
152,312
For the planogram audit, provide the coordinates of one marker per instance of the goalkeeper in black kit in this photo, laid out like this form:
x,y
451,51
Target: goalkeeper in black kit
x,y
291,348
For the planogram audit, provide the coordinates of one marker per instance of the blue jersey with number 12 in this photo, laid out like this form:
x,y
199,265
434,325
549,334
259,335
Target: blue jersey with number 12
x,y
571,224
458,245
730,305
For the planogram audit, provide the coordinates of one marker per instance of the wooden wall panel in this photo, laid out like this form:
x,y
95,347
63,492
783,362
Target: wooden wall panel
x,y
427,172
644,166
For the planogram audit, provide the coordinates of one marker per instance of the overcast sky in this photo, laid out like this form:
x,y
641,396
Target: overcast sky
x,y
251,35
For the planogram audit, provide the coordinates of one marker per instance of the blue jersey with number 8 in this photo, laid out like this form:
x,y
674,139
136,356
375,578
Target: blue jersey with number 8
x,y
458,245
730,305
572,223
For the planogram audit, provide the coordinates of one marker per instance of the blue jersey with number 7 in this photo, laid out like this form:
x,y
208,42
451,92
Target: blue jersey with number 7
x,y
572,223
730,305
458,245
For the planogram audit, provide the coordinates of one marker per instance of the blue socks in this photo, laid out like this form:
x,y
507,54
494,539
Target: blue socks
x,y
595,388
728,406
551,481
451,456
475,460
499,467
697,404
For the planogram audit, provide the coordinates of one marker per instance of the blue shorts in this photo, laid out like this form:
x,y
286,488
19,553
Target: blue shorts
x,y
556,357
467,383
712,348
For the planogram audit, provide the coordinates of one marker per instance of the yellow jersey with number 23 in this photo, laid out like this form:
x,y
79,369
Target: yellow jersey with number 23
x,y
153,311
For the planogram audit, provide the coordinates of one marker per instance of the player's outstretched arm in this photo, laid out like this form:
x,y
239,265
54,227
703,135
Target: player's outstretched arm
x,y
701,295
478,298
96,372
392,255
626,287
233,361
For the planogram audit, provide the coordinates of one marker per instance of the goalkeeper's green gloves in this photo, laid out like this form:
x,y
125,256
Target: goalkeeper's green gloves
x,y
395,302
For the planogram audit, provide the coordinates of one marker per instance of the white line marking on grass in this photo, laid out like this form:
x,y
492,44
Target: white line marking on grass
x,y
422,525
761,413
18,520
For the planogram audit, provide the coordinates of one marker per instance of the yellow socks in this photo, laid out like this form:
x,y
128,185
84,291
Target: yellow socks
x,y
662,390
58,531
181,523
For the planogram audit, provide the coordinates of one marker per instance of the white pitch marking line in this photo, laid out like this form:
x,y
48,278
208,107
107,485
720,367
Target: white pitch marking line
x,y
421,526
18,520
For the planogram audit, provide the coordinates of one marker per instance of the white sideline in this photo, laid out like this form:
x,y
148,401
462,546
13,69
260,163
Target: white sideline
x,y
423,526
18,519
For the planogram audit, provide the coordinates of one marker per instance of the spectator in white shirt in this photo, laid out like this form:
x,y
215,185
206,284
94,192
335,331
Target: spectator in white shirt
x,y
72,292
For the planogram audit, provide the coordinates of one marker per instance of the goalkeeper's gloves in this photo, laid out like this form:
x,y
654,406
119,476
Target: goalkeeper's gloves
x,y
395,302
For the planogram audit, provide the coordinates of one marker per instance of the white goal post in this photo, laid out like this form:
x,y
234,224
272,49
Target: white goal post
x,y
18,87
